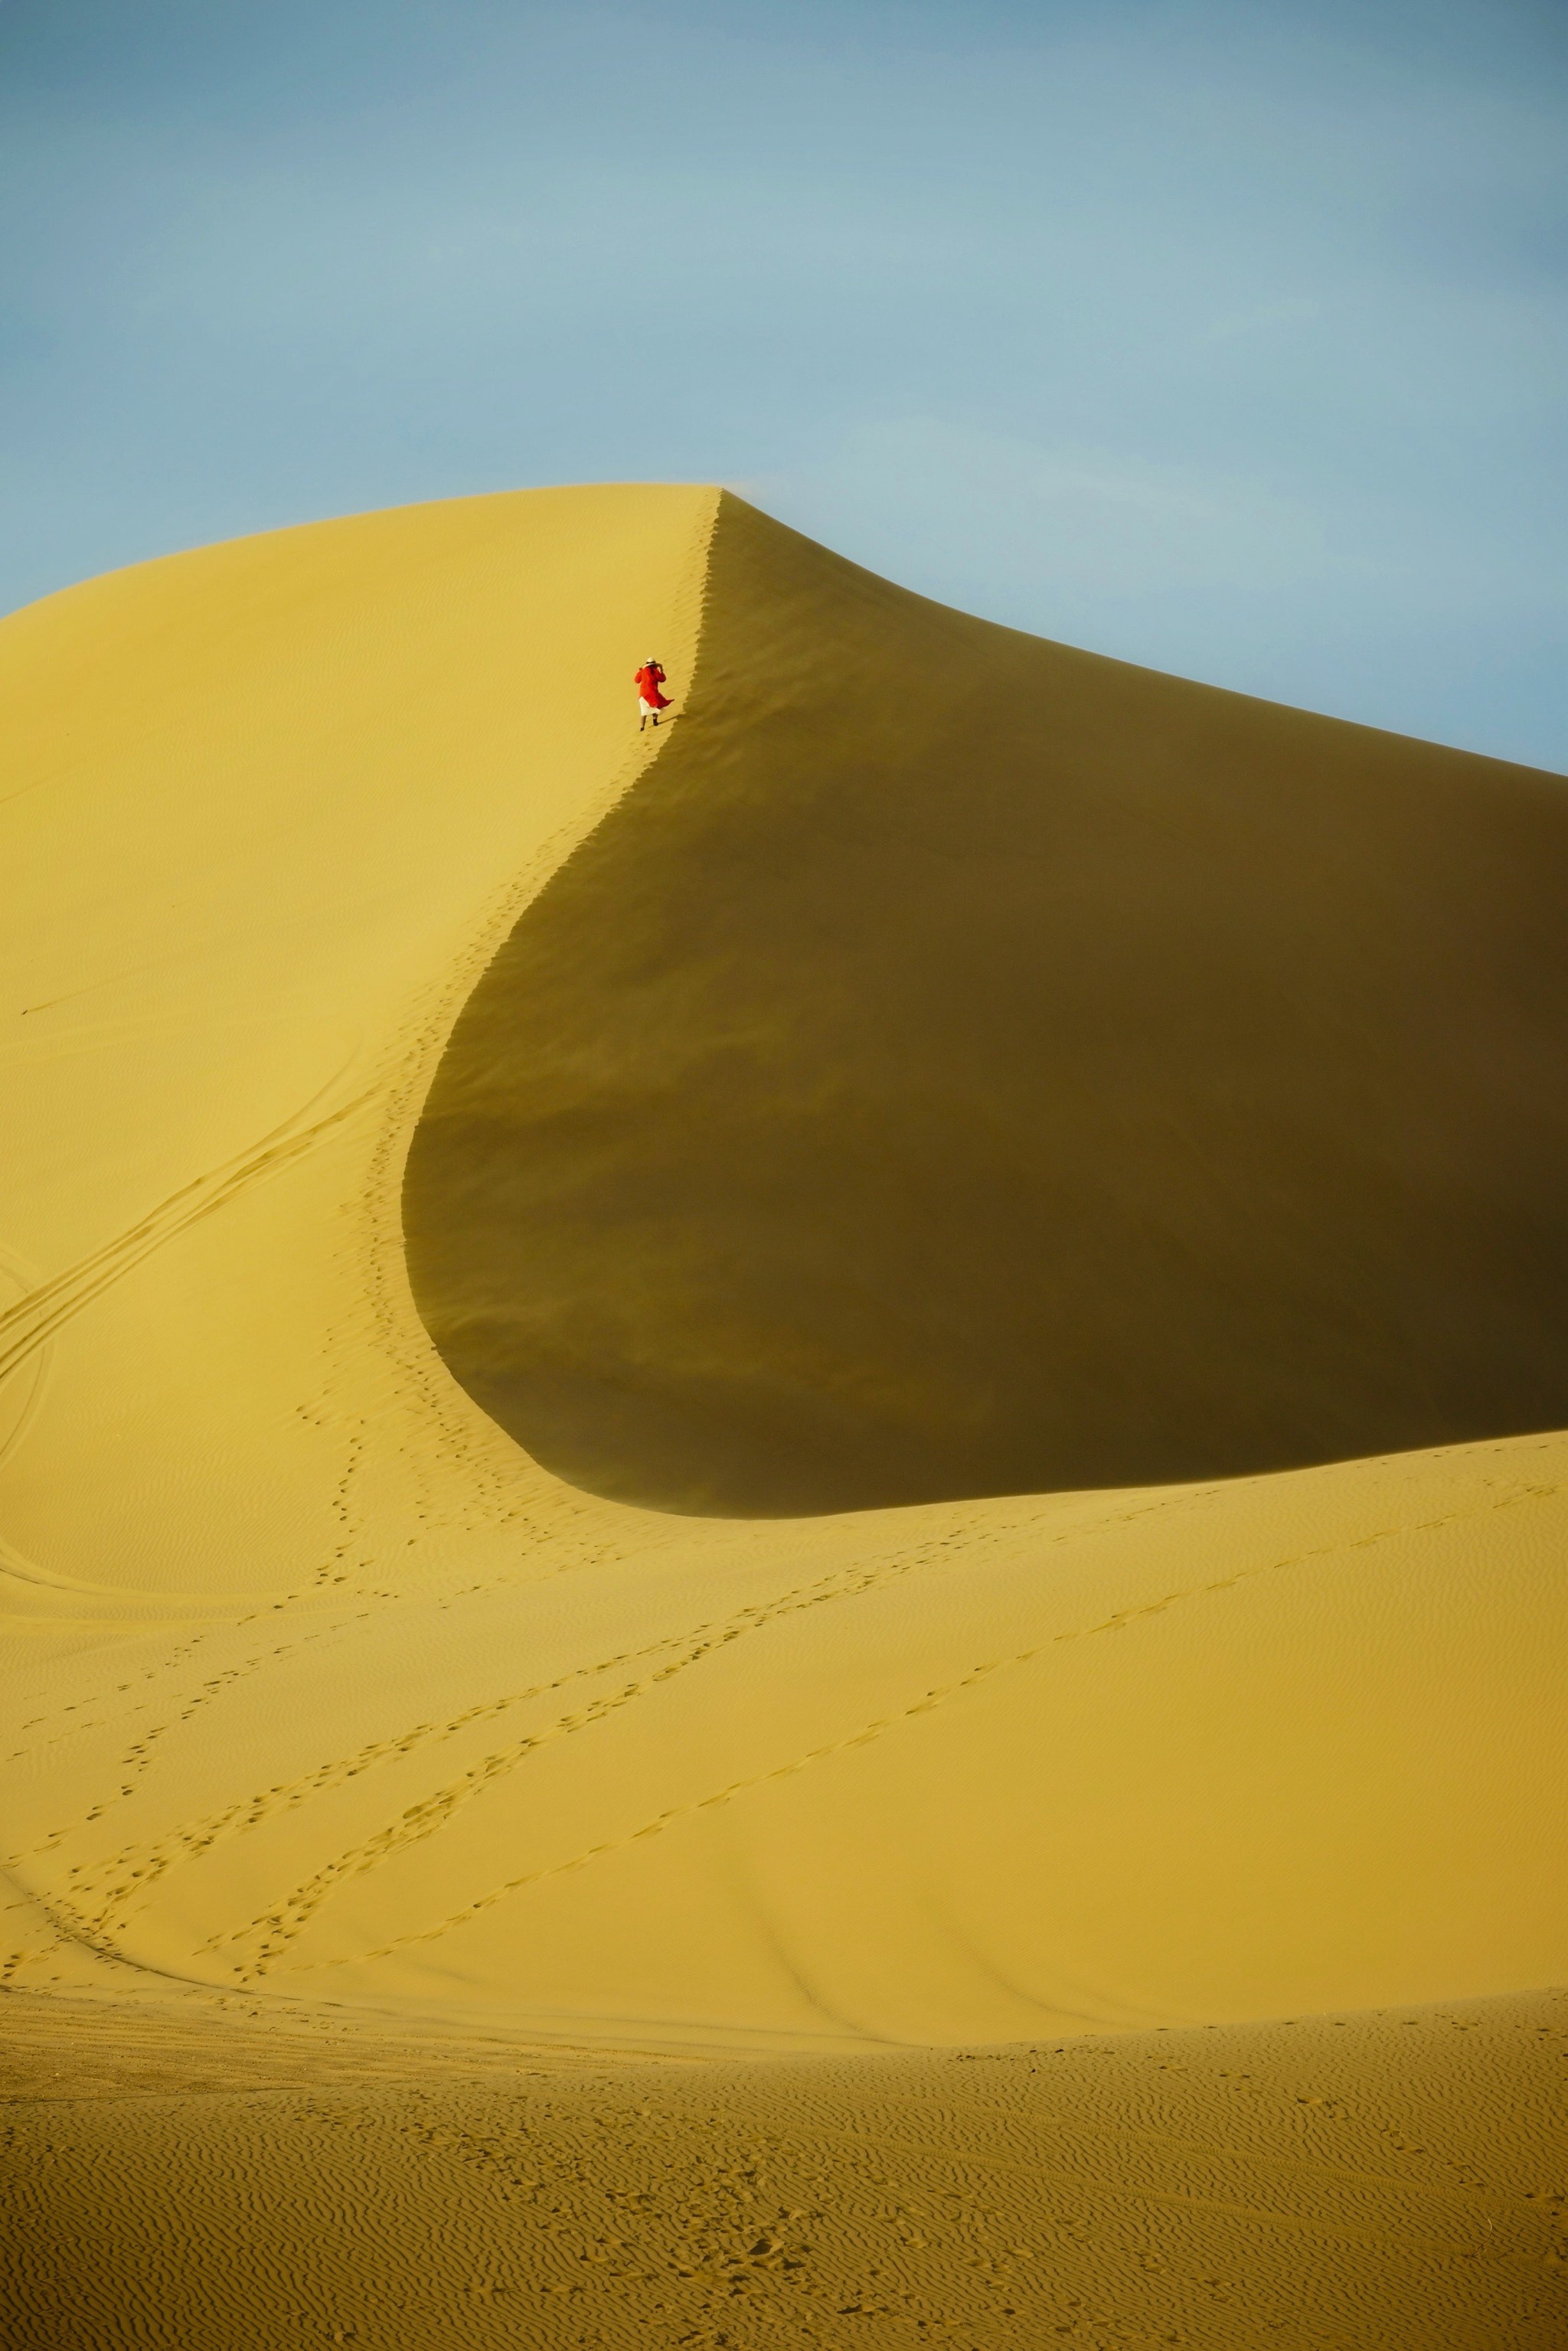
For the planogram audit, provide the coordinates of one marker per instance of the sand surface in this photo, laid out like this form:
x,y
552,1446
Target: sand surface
x,y
1343,2182
967,1458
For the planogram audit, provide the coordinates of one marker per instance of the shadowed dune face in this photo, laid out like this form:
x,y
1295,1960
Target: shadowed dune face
x,y
968,1066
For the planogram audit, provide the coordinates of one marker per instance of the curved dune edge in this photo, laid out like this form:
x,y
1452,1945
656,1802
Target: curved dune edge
x,y
968,1066
325,1689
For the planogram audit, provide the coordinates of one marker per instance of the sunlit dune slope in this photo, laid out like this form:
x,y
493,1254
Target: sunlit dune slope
x,y
969,1066
322,1686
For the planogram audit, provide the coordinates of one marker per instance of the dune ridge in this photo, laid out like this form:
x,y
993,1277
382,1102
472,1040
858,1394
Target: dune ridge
x,y
968,1066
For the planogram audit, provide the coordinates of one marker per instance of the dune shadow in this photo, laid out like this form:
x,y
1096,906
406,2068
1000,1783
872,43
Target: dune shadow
x,y
968,1066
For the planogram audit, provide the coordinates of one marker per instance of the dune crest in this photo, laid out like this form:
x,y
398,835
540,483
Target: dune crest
x,y
326,1687
966,1066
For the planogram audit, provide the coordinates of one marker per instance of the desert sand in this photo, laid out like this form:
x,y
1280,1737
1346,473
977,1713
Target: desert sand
x,y
778,1482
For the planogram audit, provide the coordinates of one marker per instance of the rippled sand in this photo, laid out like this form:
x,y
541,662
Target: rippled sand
x,y
1349,2181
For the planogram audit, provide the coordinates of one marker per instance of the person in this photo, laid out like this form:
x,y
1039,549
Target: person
x,y
649,683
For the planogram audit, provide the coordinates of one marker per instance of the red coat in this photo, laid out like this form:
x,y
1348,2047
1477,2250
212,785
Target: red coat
x,y
648,681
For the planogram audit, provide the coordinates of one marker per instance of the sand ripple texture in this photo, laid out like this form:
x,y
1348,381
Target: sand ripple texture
x,y
1348,2183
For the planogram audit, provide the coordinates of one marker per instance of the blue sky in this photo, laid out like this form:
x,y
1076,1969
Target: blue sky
x,y
1228,338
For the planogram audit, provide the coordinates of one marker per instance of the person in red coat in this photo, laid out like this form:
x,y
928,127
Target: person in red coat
x,y
649,683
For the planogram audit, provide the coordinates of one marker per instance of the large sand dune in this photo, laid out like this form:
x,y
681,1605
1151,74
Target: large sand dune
x,y
970,1453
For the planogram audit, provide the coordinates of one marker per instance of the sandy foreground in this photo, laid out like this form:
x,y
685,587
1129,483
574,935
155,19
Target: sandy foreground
x,y
756,1482
214,2176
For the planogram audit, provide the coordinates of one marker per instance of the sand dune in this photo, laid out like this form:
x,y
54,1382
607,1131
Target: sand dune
x,y
970,1453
